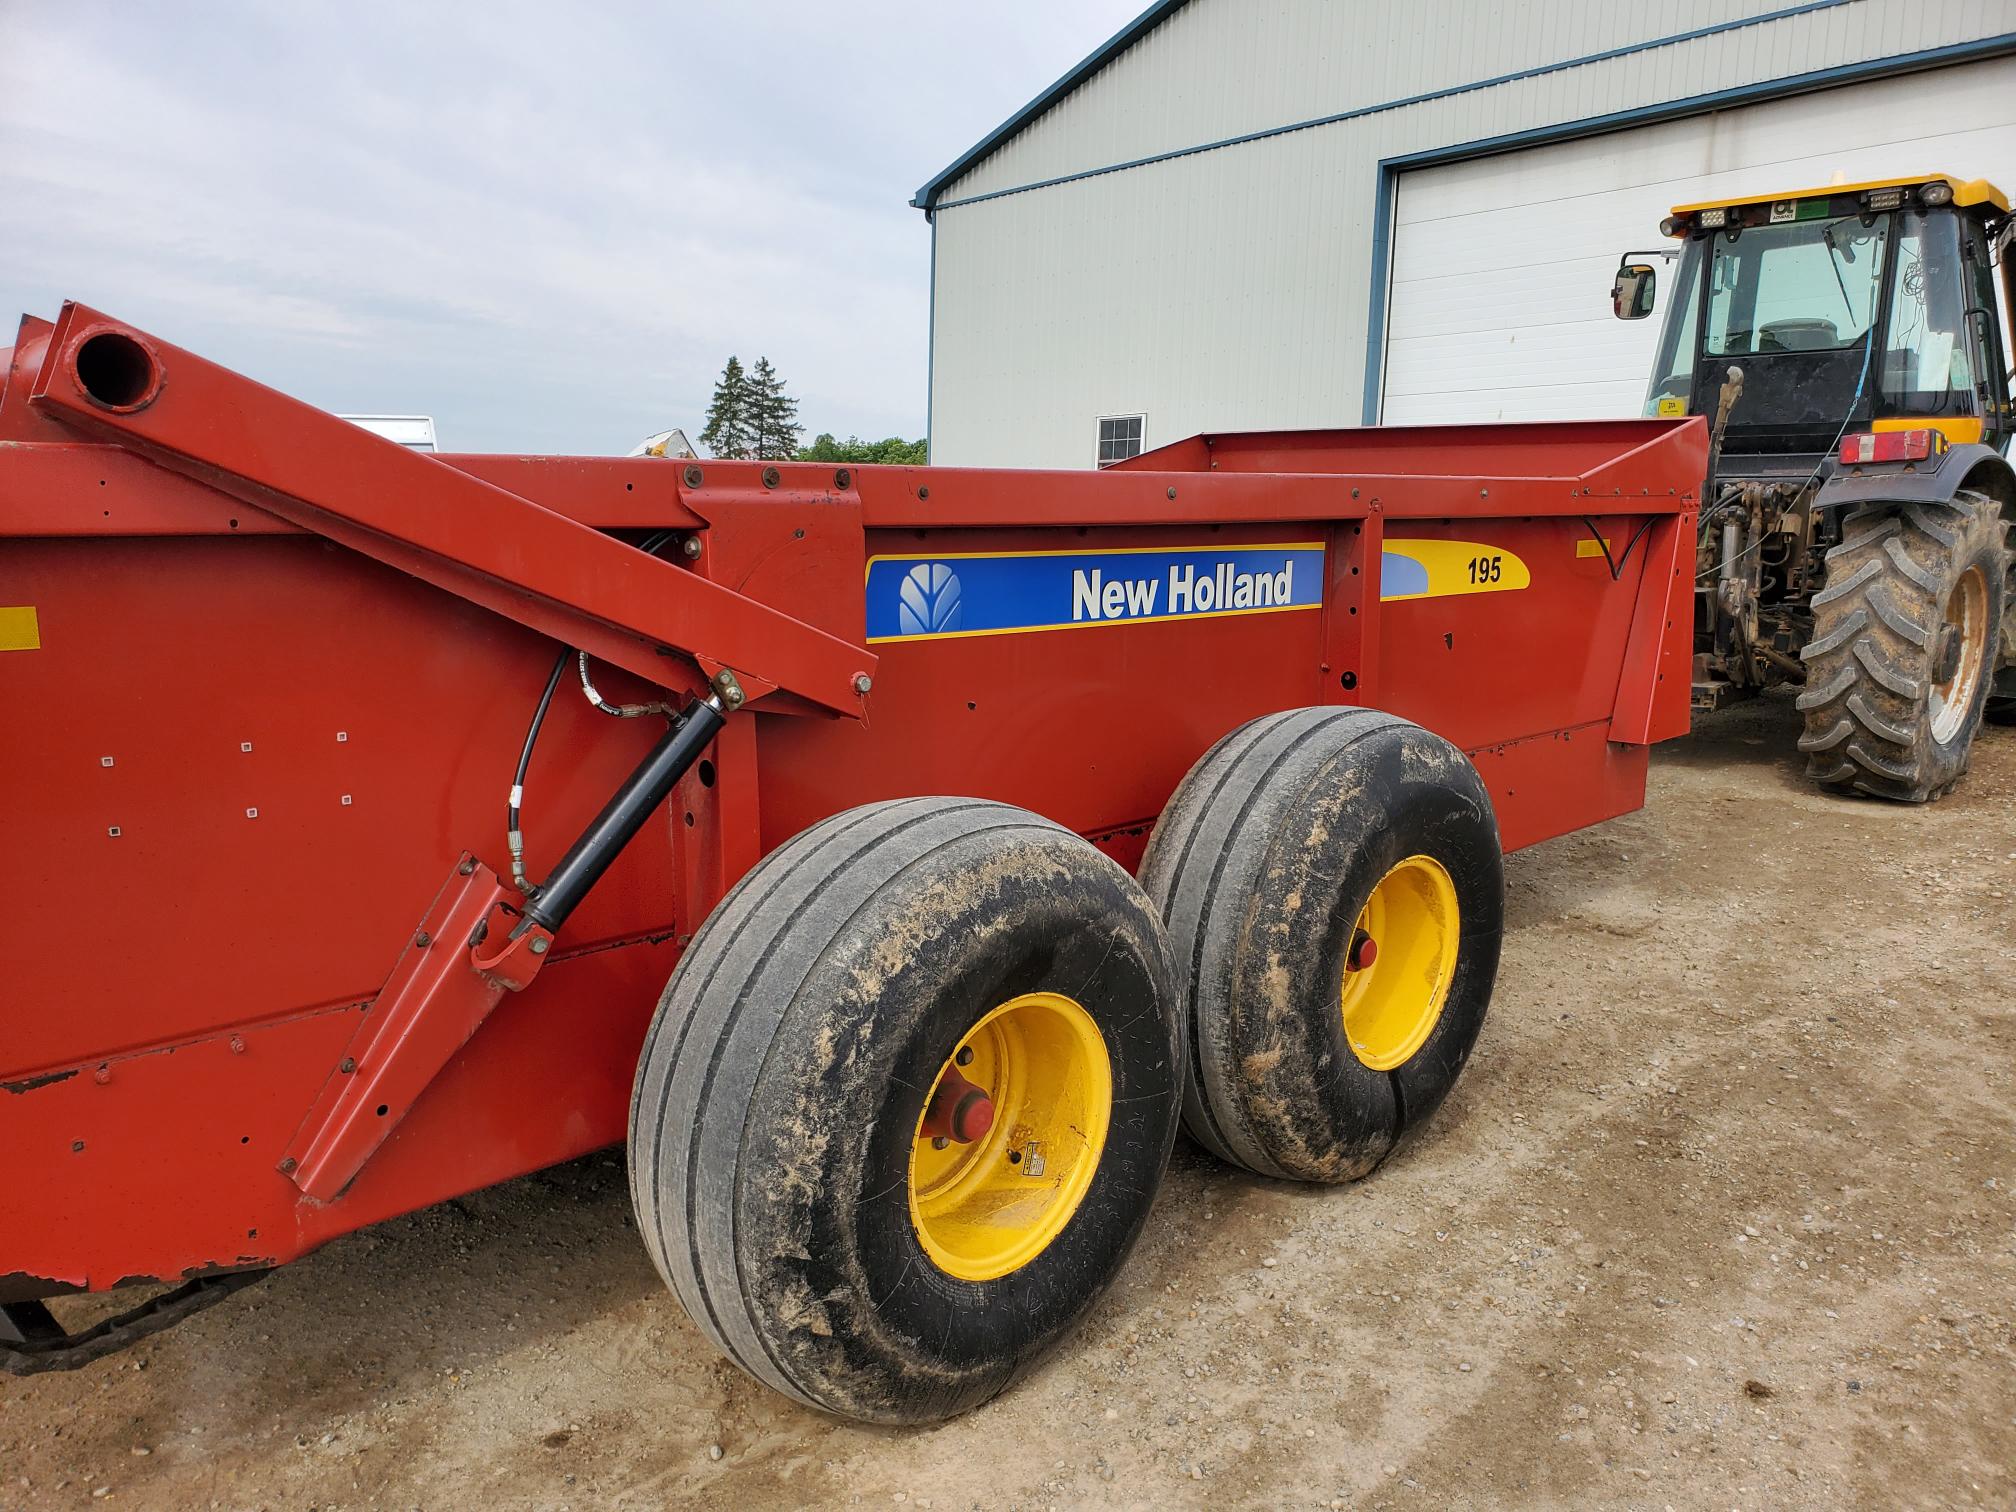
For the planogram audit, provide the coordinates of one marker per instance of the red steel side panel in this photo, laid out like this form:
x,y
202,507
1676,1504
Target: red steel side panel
x,y
383,719
243,760
146,952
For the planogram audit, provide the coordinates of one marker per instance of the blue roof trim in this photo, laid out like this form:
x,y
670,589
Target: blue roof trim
x,y
926,198
1538,71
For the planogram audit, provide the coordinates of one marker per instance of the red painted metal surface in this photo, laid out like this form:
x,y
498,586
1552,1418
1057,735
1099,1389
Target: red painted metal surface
x,y
436,522
429,1007
282,671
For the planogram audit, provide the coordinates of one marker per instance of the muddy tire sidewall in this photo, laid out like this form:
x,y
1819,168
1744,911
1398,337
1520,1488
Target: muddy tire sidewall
x,y
1333,801
771,1154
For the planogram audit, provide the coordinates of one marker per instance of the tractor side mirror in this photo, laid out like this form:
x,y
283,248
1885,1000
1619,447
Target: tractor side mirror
x,y
1633,291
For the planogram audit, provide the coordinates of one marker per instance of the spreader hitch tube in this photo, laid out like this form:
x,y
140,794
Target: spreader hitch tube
x,y
623,815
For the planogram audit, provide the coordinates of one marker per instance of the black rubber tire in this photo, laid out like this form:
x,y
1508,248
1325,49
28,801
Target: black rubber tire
x,y
1876,639
779,1091
2001,706
1261,864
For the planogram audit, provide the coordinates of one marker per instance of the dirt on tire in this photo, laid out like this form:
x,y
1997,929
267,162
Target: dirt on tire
x,y
1873,666
1721,1214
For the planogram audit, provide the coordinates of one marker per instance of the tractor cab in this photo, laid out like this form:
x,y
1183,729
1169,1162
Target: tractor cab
x,y
1852,308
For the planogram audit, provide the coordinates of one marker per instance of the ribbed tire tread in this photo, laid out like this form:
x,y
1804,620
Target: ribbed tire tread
x,y
1876,627
1206,818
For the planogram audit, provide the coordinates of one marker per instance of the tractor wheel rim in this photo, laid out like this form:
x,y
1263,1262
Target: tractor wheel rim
x,y
1966,618
1392,1004
984,1209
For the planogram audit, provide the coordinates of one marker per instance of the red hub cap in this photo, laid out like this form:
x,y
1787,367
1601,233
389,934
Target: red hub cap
x,y
959,1110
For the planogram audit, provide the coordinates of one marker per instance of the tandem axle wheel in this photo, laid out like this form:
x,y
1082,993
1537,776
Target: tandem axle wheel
x,y
909,1094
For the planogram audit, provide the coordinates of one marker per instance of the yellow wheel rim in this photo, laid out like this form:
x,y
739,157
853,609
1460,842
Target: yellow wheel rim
x,y
989,1207
1966,619
1392,1003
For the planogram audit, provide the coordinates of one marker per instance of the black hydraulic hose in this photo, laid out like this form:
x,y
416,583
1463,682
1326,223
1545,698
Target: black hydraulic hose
x,y
1616,564
514,837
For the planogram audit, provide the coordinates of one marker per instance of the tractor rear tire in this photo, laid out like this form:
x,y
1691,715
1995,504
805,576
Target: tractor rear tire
x,y
783,1177
1290,843
1903,649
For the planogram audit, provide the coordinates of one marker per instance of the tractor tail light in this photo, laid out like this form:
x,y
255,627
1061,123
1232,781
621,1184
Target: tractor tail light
x,y
1889,446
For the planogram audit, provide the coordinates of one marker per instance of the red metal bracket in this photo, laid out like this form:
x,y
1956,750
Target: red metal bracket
x,y
443,987
1354,551
428,518
1653,686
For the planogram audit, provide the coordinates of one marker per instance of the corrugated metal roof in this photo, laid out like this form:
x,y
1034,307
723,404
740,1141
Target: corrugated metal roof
x,y
1111,48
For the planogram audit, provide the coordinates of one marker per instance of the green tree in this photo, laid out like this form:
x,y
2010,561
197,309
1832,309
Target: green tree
x,y
730,430
773,415
892,451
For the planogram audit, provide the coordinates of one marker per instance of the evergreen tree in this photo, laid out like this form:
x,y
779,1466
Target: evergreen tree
x,y
773,415
730,429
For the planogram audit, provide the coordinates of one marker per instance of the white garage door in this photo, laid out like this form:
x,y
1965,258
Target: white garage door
x,y
1500,302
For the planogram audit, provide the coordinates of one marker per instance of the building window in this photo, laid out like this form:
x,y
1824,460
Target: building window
x,y
1119,438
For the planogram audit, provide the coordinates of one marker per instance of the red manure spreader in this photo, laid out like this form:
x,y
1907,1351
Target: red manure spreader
x,y
894,857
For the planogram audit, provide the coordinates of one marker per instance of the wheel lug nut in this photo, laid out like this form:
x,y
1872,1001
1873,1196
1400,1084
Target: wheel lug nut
x,y
965,1055
939,1142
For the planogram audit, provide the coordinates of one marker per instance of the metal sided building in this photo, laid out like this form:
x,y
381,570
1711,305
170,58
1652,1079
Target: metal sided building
x,y
1267,213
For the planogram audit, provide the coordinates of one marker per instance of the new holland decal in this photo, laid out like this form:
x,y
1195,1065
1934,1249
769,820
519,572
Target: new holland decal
x,y
1012,593
912,598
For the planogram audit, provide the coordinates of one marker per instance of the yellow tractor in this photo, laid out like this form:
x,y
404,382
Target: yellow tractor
x,y
1845,344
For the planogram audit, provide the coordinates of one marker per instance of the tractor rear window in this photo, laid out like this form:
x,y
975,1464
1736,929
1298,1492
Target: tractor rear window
x,y
1805,286
1926,370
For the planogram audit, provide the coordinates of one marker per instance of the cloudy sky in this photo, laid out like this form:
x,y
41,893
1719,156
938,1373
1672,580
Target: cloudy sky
x,y
545,225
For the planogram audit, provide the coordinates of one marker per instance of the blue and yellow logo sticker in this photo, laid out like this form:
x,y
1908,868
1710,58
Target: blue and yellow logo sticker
x,y
1443,569
931,598
1013,593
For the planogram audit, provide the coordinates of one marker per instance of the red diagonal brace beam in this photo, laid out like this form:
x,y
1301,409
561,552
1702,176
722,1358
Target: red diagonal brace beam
x,y
471,538
436,999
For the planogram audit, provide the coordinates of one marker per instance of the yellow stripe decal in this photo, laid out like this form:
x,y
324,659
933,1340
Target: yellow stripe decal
x,y
1444,569
1592,548
19,630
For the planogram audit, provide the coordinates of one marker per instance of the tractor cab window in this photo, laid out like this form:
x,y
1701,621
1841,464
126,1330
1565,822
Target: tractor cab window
x,y
1927,368
1673,367
1802,286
